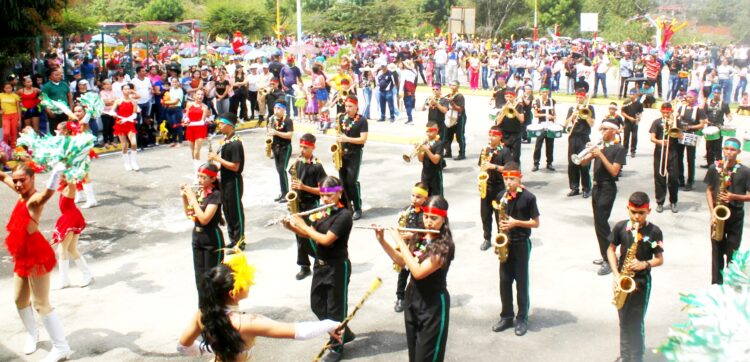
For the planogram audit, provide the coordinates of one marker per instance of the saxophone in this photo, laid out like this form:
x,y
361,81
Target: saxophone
x,y
269,139
483,175
402,224
336,148
292,197
501,241
720,212
626,283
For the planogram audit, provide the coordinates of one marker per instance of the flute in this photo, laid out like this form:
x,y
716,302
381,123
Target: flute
x,y
304,213
408,230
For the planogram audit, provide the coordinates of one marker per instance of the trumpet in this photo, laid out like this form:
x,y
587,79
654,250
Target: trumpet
x,y
508,111
417,150
303,213
580,156
582,112
401,229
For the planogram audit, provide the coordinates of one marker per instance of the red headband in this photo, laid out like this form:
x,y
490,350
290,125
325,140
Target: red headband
x,y
432,129
352,100
634,206
435,211
207,172
306,143
495,132
510,93
514,173
582,94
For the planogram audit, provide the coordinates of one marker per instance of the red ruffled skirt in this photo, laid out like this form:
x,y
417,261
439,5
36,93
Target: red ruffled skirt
x,y
124,128
32,254
71,220
193,133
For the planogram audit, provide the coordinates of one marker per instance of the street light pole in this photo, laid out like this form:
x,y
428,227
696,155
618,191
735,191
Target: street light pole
x,y
536,30
278,19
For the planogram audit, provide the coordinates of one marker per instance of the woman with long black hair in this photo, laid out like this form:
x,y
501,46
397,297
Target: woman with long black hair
x,y
426,300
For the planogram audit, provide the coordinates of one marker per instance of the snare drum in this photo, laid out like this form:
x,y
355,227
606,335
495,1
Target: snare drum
x,y
535,130
728,131
711,133
493,114
554,131
688,139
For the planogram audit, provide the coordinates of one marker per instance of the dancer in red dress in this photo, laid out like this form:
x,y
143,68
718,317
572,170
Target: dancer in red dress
x,y
196,129
33,259
67,230
126,113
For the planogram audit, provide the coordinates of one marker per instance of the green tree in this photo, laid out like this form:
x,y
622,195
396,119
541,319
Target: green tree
x,y
72,22
22,21
224,17
565,13
164,10
614,18
440,11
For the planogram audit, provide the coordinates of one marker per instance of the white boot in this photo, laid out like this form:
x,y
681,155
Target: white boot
x,y
126,161
64,280
79,197
32,332
60,348
88,188
87,278
133,162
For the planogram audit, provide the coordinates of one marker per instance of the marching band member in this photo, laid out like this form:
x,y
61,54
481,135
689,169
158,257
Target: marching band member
x,y
647,254
510,119
282,130
716,111
665,160
431,155
126,110
527,103
631,112
579,137
411,217
456,111
491,160
330,282
196,129
231,161
353,138
544,111
427,301
438,106
308,174
522,216
728,184
690,118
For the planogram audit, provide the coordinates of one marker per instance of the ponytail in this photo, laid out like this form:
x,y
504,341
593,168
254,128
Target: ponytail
x,y
218,333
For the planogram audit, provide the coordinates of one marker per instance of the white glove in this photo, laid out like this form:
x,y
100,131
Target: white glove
x,y
194,350
307,330
54,178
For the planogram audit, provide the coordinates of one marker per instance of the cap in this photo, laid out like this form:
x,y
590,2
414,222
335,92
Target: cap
x,y
205,67
228,118
265,65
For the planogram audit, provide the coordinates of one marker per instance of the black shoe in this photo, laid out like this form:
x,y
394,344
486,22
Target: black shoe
x,y
278,198
586,194
632,154
535,168
485,245
348,337
332,356
598,261
303,273
283,200
659,208
502,325
448,155
393,120
604,270
674,208
521,328
357,215
573,193
549,167
689,187
381,120
460,157
399,307
704,166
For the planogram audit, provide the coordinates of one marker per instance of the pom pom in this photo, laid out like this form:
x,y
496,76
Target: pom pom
x,y
244,273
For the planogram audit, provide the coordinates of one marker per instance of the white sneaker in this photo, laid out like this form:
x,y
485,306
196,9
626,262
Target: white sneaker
x,y
56,355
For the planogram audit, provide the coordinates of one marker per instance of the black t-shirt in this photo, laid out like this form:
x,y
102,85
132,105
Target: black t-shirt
x,y
275,68
542,106
613,153
285,125
232,151
633,109
221,86
499,96
459,100
690,116
582,127
498,156
657,128
513,125
413,217
740,182
353,127
434,114
310,173
338,222
521,207
429,169
437,281
716,113
213,198
650,244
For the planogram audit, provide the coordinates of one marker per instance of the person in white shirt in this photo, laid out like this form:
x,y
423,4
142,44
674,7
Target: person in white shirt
x,y
252,88
143,92
441,58
601,68
725,72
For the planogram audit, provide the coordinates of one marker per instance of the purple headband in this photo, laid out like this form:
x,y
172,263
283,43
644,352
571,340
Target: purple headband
x,y
330,190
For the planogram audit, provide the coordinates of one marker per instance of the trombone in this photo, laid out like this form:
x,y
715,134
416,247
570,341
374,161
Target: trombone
x,y
670,131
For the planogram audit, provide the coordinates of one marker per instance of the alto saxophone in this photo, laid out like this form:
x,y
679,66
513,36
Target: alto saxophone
x,y
626,283
292,197
269,139
336,148
720,212
483,175
501,241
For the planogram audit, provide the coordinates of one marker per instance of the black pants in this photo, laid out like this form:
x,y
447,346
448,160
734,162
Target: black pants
x,y
513,141
403,276
329,292
602,200
231,202
207,253
305,246
457,130
623,87
516,268
722,251
209,102
487,212
434,183
349,175
578,174
239,99
690,163
632,316
662,184
108,124
631,136
426,318
253,98
281,155
549,147
713,150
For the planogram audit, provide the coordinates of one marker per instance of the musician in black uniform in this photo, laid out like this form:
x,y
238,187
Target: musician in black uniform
x,y
665,165
522,216
275,95
456,111
231,159
737,186
438,106
411,217
353,139
631,112
579,137
282,130
205,210
491,160
690,118
607,164
648,254
428,258
716,111
498,94
431,155
615,117
511,125
330,231
527,103
307,173
544,111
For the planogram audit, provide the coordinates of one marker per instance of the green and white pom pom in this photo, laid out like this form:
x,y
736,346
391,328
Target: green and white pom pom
x,y
92,103
73,151
56,107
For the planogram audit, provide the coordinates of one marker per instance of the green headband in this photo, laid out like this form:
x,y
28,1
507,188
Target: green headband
x,y
732,143
226,121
